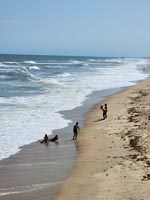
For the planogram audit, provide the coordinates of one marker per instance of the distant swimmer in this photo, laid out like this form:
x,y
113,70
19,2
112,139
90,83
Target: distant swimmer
x,y
54,139
76,129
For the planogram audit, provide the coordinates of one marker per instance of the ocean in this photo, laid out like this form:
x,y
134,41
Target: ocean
x,y
34,89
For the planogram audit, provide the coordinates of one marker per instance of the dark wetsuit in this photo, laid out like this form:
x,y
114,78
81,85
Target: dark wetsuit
x,y
54,139
75,131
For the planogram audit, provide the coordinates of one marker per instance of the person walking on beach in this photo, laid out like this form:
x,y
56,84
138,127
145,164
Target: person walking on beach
x,y
76,129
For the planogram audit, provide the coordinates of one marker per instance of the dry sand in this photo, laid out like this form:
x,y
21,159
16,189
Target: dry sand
x,y
114,154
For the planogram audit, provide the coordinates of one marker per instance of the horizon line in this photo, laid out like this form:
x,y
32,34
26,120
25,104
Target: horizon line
x,y
61,55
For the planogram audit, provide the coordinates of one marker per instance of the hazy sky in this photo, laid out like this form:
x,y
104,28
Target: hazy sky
x,y
75,27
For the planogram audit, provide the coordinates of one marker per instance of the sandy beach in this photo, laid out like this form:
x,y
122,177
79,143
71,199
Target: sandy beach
x,y
114,154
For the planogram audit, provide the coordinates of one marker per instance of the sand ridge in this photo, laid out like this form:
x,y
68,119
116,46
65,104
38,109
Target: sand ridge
x,y
114,154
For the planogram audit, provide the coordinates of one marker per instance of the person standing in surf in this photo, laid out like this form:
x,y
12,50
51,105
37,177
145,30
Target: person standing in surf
x,y
76,129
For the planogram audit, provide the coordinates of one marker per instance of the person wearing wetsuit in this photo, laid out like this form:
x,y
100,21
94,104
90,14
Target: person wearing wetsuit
x,y
76,128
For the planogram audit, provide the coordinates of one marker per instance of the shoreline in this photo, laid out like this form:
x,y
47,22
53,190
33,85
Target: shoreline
x,y
114,156
34,161
84,108
42,160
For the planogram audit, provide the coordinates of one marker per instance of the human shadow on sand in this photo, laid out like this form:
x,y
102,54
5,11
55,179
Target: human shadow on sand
x,y
99,120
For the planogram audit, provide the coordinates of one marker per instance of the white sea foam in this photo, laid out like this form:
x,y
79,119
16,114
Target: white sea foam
x,y
30,62
64,75
34,67
76,61
51,81
10,62
53,66
55,63
92,60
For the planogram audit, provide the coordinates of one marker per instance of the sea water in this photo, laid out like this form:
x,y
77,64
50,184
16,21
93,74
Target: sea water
x,y
33,89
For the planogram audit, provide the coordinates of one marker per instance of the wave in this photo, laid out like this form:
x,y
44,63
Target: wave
x,y
61,74
58,64
117,61
53,66
85,64
47,81
61,63
34,67
30,62
64,75
23,74
9,63
48,63
16,73
92,60
76,62
4,64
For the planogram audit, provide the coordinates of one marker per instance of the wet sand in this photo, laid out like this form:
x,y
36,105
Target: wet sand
x,y
114,154
31,174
